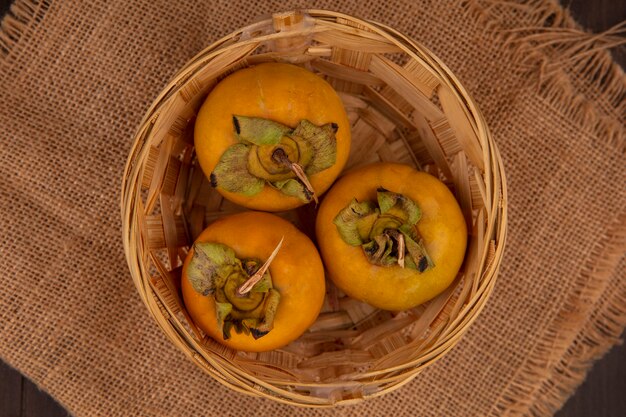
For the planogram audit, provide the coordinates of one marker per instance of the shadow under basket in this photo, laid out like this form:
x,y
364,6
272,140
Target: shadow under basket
x,y
404,106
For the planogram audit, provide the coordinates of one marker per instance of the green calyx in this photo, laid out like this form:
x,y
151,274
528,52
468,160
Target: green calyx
x,y
272,153
385,230
215,271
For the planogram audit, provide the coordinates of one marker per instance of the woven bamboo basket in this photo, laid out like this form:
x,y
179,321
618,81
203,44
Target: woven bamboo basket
x,y
405,106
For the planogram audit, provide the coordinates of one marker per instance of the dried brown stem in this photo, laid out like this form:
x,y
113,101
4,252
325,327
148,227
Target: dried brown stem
x,y
280,156
251,282
400,238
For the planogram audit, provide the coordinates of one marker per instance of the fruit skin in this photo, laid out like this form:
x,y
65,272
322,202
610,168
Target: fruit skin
x,y
297,273
442,227
281,92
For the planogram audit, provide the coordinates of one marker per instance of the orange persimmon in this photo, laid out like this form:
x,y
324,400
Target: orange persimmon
x,y
279,307
391,236
272,137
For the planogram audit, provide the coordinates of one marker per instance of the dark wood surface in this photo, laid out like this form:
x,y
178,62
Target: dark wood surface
x,y
603,394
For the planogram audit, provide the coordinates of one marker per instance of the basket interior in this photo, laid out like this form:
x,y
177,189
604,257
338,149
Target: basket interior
x,y
403,107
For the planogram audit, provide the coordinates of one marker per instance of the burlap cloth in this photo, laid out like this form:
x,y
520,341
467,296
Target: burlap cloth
x,y
75,80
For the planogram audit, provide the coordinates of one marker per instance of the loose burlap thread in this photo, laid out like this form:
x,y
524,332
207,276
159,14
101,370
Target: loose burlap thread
x,y
76,78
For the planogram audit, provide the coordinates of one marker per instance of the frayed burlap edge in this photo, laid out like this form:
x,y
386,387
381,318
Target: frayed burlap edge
x,y
553,50
589,59
547,53
20,19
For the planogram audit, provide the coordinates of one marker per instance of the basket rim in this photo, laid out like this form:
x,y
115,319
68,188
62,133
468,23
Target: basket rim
x,y
242,381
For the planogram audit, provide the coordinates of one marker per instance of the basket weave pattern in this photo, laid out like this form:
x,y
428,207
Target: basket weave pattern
x,y
404,106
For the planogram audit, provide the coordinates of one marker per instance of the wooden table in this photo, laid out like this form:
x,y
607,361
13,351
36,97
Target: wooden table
x,y
603,394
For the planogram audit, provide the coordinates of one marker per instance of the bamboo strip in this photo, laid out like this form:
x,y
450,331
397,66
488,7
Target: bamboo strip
x,y
401,153
419,329
331,301
218,349
462,186
387,108
220,66
196,221
305,349
446,137
171,172
356,310
384,329
414,160
353,42
352,102
432,310
340,358
357,60
477,189
142,232
397,100
346,73
180,189
373,320
378,121
385,153
369,142
149,165
387,345
170,230
328,336
170,179
422,78
462,127
206,195
461,300
197,177
166,296
291,46
321,51
432,144
316,389
158,174
277,358
264,371
155,233
415,142
400,80
353,116
331,321
476,248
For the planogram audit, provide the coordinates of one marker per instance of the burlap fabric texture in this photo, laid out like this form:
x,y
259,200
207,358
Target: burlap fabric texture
x,y
76,78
